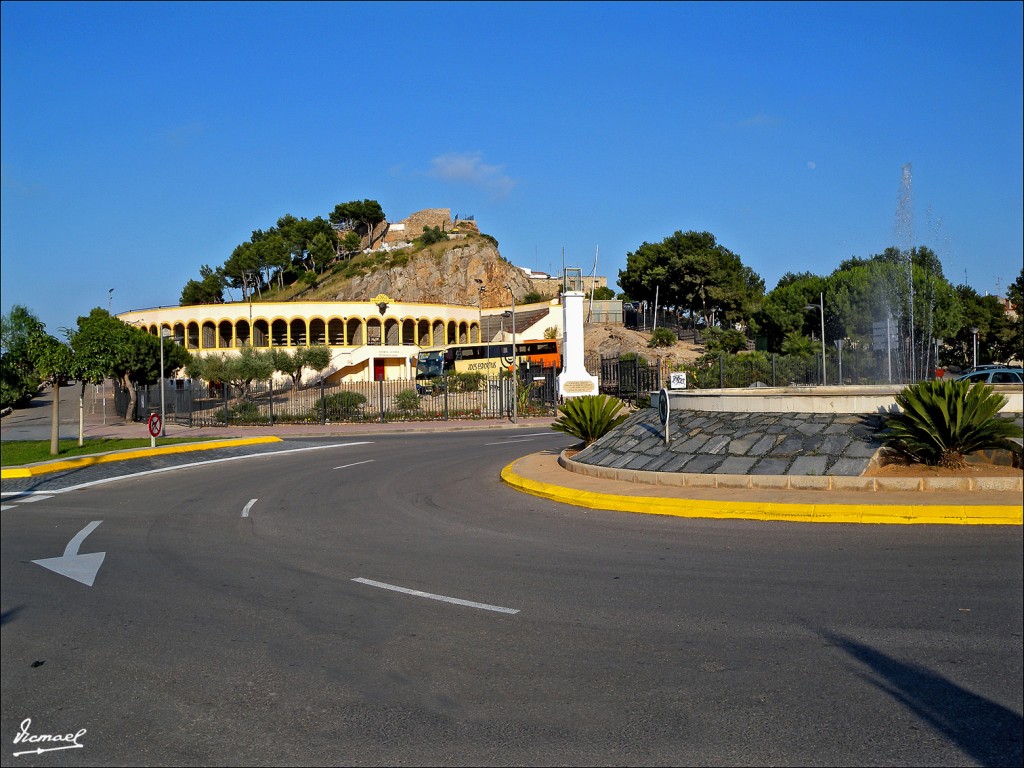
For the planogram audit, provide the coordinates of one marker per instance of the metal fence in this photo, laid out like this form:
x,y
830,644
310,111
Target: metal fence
x,y
753,369
630,378
197,404
535,392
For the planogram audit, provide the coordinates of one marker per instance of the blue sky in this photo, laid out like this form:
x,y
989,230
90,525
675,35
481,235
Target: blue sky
x,y
143,140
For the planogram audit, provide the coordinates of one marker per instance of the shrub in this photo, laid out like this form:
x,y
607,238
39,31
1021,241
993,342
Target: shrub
x,y
589,417
407,400
724,340
662,337
798,345
942,421
342,405
466,382
431,235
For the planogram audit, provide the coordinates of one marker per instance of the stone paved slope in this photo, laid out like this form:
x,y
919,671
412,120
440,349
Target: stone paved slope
x,y
739,443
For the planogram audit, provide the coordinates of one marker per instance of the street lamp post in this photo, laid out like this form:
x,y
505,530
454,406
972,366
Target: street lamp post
x,y
515,367
974,336
163,332
821,308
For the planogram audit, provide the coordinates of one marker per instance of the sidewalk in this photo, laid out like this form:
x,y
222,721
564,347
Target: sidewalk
x,y
543,474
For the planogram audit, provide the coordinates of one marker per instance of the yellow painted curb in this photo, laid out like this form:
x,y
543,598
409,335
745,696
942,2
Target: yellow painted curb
x,y
134,453
908,514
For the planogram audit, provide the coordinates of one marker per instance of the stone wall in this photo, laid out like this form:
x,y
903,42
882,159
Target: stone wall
x,y
412,226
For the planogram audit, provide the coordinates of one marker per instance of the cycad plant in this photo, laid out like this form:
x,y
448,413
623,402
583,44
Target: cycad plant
x,y
942,421
589,417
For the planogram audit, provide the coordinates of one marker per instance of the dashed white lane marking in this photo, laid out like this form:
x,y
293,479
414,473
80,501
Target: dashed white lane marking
x,y
442,598
245,511
346,466
27,498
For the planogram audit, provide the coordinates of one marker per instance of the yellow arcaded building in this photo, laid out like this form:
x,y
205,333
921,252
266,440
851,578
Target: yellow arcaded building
x,y
368,340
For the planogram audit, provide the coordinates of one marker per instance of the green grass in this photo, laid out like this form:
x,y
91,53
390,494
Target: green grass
x,y
15,453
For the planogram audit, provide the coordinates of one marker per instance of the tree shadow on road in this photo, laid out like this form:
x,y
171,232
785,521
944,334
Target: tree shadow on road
x,y
988,732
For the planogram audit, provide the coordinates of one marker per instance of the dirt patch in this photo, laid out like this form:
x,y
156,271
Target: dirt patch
x,y
921,470
615,340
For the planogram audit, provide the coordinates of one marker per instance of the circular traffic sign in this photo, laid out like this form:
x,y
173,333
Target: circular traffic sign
x,y
155,424
663,406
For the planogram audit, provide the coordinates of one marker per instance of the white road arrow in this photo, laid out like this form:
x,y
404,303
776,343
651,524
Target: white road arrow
x,y
81,568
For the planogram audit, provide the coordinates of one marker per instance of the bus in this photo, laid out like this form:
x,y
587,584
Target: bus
x,y
488,359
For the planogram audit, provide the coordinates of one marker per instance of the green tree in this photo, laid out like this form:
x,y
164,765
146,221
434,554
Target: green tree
x,y
431,235
55,363
130,355
349,243
1015,293
310,243
242,269
316,357
724,340
359,216
798,345
784,309
996,331
19,381
239,370
323,249
693,272
209,289
602,293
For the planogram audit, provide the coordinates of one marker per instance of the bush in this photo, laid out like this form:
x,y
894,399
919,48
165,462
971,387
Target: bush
x,y
407,400
724,340
431,235
942,421
343,405
589,417
662,337
466,382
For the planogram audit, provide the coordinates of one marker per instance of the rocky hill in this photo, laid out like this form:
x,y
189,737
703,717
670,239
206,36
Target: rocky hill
x,y
449,272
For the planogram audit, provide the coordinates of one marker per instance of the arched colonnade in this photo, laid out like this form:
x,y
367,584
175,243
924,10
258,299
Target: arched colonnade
x,y
204,334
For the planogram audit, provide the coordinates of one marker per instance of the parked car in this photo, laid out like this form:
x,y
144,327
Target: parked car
x,y
994,374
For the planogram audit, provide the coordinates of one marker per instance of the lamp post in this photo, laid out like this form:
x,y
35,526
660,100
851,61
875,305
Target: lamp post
x,y
974,336
821,307
163,429
515,367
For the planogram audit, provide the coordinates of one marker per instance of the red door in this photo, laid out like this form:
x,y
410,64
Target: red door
x,y
378,369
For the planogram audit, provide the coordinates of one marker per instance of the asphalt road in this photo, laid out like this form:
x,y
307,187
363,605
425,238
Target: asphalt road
x,y
250,613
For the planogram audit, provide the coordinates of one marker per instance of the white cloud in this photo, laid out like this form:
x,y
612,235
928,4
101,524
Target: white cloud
x,y
469,168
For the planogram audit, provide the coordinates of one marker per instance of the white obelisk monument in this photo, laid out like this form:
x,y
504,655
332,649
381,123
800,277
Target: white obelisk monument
x,y
574,380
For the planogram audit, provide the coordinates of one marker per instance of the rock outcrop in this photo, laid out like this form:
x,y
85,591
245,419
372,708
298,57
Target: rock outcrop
x,y
452,276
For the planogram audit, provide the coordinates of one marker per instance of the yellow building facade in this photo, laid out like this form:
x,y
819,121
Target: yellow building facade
x,y
368,340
